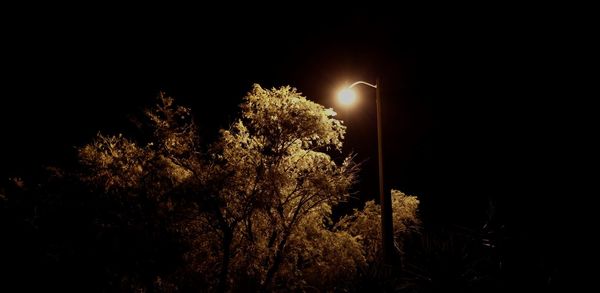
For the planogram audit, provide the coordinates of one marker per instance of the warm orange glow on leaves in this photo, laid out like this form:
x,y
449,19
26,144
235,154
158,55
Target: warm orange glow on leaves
x,y
258,200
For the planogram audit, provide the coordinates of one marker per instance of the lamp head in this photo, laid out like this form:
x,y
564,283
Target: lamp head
x,y
347,96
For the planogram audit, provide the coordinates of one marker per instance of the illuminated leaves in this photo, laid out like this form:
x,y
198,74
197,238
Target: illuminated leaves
x,y
322,257
258,202
365,224
116,162
281,184
286,120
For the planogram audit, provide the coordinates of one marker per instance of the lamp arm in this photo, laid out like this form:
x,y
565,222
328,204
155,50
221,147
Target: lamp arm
x,y
362,82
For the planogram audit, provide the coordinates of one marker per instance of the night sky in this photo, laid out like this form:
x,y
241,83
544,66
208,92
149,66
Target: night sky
x,y
471,101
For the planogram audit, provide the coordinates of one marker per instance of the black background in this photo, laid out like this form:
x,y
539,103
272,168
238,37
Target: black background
x,y
476,105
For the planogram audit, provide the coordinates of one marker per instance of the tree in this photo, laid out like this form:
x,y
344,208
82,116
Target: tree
x,y
279,179
253,208
366,223
137,188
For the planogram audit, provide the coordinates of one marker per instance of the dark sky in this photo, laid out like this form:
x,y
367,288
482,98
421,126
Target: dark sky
x,y
469,99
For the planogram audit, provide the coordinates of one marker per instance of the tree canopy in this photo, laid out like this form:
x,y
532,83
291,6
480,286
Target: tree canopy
x,y
251,211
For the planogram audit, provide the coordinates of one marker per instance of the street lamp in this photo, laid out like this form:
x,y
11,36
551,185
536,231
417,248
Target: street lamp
x,y
346,97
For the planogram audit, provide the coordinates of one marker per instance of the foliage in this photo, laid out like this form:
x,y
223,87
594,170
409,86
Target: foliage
x,y
117,164
366,223
137,187
324,258
252,211
279,183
